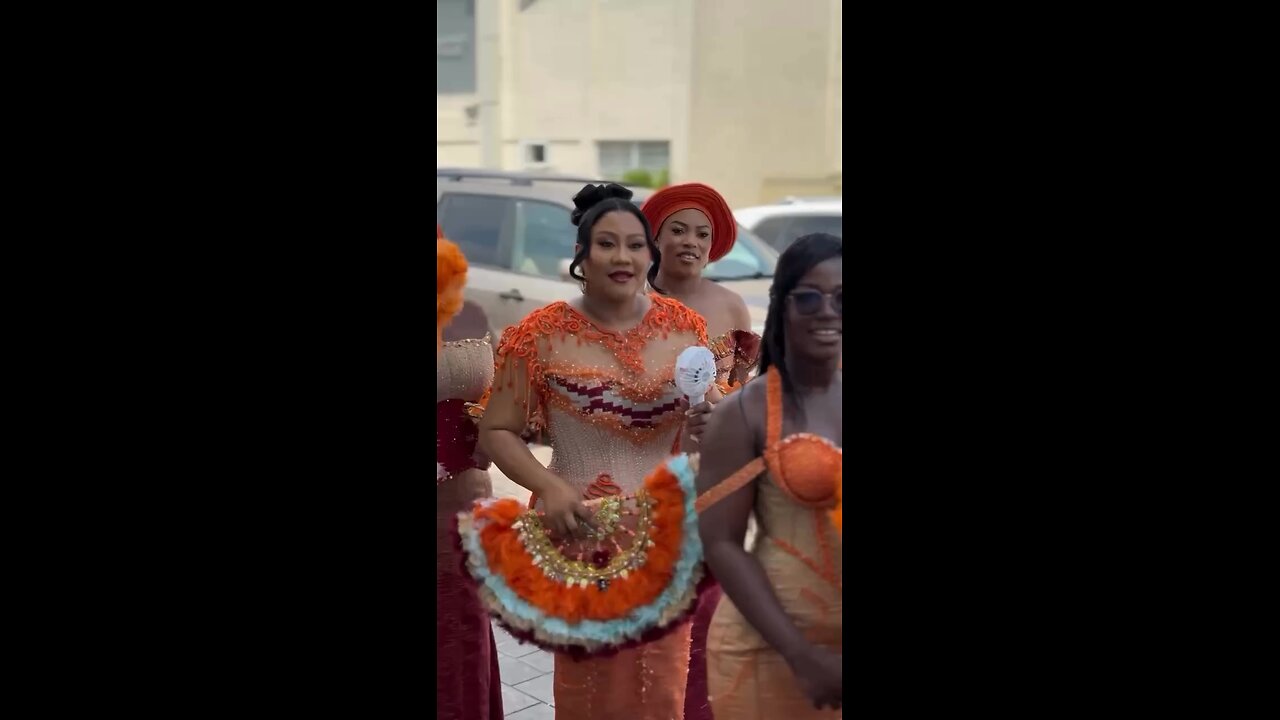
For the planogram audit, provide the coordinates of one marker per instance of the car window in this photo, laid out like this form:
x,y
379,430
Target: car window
x,y
544,237
749,258
771,229
479,224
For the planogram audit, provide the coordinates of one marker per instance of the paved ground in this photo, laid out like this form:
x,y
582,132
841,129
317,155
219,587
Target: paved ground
x,y
526,670
526,679
502,487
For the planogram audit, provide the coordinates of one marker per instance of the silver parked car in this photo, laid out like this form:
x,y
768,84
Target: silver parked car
x,y
515,232
781,223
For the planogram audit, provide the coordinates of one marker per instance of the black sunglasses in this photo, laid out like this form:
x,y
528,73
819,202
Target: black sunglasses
x,y
809,302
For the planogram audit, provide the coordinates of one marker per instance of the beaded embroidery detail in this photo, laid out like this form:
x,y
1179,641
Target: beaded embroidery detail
x,y
636,402
594,602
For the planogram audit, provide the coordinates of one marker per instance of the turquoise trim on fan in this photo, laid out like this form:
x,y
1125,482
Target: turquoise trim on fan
x,y
639,619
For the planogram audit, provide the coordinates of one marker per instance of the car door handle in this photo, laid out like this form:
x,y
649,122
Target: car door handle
x,y
512,294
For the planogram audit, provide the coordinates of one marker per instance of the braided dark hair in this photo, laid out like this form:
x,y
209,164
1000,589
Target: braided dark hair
x,y
799,257
657,264
592,203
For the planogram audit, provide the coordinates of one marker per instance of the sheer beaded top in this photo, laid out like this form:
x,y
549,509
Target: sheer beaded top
x,y
464,370
607,399
464,373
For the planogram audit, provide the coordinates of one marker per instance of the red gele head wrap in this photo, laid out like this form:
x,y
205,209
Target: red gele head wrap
x,y
674,198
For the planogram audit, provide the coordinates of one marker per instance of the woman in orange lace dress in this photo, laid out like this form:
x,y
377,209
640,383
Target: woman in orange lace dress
x,y
694,226
597,375
773,449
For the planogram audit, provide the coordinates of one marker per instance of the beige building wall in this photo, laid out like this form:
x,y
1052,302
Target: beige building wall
x,y
747,92
761,119
584,71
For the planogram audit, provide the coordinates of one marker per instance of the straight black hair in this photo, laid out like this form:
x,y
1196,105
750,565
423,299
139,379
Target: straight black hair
x,y
799,258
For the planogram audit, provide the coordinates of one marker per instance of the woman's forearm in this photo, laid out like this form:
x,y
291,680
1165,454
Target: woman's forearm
x,y
513,457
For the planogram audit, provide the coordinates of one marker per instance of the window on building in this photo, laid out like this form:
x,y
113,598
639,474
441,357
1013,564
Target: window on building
x,y
616,158
455,46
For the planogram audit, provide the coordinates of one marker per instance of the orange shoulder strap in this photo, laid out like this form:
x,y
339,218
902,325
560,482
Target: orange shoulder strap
x,y
749,472
773,408
729,485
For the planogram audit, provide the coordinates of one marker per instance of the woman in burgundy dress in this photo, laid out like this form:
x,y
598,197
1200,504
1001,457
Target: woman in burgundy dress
x,y
467,684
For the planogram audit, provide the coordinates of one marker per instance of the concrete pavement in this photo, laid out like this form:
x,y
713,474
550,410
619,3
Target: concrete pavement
x,y
527,672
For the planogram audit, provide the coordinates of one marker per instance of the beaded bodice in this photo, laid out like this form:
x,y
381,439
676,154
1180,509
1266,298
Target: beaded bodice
x,y
607,399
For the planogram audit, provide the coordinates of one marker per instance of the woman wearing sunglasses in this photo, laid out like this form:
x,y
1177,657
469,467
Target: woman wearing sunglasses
x,y
774,449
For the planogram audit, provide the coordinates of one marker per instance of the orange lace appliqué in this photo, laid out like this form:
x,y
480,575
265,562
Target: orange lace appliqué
x,y
521,343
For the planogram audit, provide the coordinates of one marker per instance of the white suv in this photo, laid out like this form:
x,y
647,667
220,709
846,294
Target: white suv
x,y
780,224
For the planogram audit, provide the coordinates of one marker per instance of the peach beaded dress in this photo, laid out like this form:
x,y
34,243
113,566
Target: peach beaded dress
x,y
612,413
800,551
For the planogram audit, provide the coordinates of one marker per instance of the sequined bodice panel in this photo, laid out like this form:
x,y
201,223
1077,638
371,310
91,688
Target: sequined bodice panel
x,y
464,370
611,426
607,400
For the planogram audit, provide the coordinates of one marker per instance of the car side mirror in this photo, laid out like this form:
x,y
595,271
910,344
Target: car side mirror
x,y
564,270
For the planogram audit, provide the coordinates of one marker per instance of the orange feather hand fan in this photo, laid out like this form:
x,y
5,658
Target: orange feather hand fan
x,y
631,584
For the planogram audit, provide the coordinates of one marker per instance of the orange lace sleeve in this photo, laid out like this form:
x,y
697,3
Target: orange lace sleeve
x,y
520,361
675,316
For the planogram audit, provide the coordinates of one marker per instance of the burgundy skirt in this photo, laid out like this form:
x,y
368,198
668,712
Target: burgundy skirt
x,y
467,682
696,704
